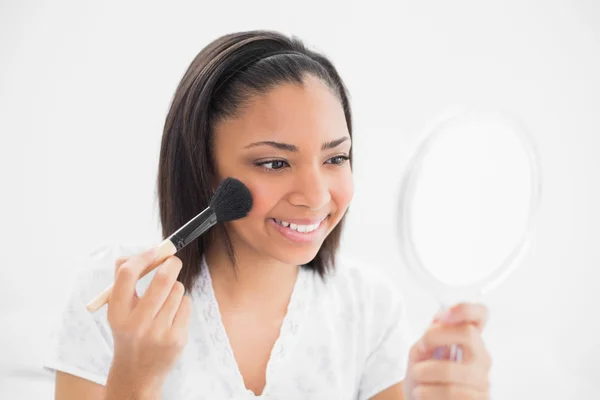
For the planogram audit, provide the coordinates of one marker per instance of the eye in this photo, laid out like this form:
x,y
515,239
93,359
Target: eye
x,y
272,165
338,160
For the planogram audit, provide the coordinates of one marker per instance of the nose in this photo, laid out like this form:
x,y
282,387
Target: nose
x,y
311,189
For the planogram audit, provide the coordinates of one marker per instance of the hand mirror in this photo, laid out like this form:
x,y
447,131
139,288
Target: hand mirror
x,y
467,203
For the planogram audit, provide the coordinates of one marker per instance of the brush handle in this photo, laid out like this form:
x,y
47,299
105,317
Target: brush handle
x,y
165,249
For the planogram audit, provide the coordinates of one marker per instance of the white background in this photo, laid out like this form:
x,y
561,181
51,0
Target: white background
x,y
85,86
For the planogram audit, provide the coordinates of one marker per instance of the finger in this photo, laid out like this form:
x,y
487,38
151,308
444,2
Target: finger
x,y
465,335
128,273
120,261
476,314
445,372
158,290
417,354
450,392
181,322
169,309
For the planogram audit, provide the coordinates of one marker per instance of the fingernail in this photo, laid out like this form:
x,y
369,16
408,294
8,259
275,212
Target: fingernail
x,y
422,346
152,254
439,353
446,315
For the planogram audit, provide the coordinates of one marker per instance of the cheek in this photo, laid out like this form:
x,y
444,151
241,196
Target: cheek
x,y
264,198
342,191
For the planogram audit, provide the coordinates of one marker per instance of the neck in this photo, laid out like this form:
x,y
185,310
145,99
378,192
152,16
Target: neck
x,y
254,279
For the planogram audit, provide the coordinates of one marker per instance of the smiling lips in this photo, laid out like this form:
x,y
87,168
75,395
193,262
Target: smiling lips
x,y
304,228
304,232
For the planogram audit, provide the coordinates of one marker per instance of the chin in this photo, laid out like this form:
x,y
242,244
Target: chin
x,y
297,256
289,254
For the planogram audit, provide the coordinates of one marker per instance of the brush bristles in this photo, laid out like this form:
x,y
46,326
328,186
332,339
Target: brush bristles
x,y
232,200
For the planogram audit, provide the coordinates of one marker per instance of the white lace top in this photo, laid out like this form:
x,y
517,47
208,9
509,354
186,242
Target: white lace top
x,y
342,338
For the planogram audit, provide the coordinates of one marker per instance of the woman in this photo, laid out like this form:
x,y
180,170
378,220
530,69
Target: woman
x,y
267,312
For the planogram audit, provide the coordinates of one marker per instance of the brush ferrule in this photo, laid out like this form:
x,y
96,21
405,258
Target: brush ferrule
x,y
194,228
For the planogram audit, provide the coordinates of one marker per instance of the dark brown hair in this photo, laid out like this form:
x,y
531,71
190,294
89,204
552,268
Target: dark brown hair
x,y
221,79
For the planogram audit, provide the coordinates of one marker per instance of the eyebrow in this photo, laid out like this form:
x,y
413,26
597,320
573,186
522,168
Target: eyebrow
x,y
292,148
334,143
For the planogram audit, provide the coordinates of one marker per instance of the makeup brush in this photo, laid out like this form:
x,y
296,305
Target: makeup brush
x,y
232,200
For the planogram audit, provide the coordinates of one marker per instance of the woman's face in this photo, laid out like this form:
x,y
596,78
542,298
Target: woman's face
x,y
290,146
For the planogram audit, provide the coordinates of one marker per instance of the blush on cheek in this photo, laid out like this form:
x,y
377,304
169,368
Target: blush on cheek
x,y
343,192
264,199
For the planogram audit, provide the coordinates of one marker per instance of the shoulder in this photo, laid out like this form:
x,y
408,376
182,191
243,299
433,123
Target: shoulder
x,y
373,284
381,325
363,293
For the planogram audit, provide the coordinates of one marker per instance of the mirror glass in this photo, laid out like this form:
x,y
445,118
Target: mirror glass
x,y
467,202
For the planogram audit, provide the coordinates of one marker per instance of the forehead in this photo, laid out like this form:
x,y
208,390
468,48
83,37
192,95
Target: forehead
x,y
290,113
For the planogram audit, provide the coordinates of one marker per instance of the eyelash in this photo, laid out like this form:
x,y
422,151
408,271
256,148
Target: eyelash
x,y
262,164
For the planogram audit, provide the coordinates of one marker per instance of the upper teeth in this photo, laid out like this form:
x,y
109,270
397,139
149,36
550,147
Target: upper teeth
x,y
299,228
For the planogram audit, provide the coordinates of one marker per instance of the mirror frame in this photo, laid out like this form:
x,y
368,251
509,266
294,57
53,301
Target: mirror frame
x,y
407,190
